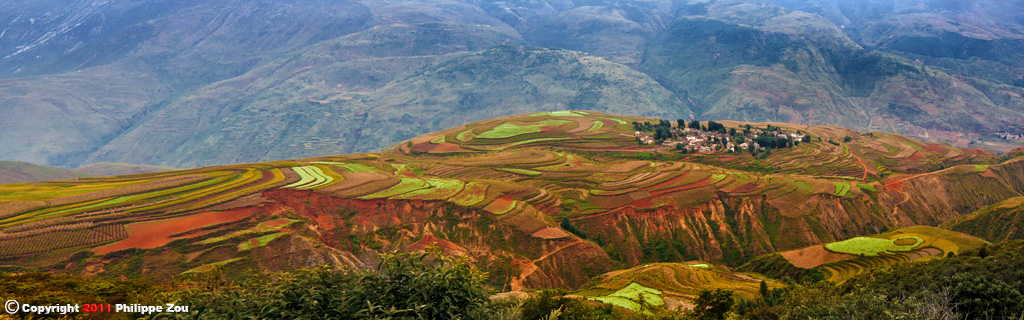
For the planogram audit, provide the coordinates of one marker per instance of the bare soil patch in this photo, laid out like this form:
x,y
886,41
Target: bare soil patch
x,y
811,257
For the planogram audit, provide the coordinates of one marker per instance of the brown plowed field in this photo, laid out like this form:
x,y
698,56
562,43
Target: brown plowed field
x,y
811,257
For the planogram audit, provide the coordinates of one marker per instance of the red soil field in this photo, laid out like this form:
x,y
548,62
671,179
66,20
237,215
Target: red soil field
x,y
744,188
423,147
933,148
448,147
152,234
811,257
916,156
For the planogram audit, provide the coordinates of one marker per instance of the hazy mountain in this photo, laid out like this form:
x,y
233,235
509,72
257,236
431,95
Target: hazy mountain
x,y
189,83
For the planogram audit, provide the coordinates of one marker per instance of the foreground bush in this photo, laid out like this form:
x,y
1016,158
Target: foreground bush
x,y
404,286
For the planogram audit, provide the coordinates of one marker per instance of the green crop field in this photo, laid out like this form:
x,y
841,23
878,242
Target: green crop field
x,y
864,246
631,297
508,129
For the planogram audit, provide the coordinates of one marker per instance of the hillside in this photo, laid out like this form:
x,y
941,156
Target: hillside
x,y
185,84
17,171
998,222
547,199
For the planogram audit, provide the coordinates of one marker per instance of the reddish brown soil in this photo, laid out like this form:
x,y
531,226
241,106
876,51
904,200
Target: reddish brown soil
x,y
423,147
448,147
744,189
446,246
152,234
933,148
276,223
550,233
811,257
916,156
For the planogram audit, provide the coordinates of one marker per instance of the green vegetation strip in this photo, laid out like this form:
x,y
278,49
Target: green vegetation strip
x,y
259,241
597,126
521,171
864,246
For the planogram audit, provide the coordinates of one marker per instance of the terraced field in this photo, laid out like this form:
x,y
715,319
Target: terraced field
x,y
845,259
669,284
506,191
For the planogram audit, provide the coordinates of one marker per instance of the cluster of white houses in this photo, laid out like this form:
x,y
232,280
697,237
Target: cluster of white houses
x,y
695,140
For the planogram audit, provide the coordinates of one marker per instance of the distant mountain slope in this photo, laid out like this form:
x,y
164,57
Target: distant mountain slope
x,y
101,169
170,82
17,171
333,109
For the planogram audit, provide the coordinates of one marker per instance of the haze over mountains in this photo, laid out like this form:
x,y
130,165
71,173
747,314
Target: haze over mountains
x,y
191,83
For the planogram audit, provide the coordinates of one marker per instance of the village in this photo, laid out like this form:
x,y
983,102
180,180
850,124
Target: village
x,y
693,137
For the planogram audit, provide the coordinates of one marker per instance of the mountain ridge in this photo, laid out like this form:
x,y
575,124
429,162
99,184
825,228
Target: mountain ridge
x,y
178,91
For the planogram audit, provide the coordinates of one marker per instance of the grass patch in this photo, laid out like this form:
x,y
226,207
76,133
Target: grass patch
x,y
596,126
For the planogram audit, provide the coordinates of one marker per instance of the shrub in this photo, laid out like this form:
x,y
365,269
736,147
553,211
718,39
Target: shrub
x,y
713,304
405,286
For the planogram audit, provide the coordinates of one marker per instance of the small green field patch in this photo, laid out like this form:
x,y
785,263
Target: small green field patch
x,y
596,126
867,186
508,129
841,188
865,246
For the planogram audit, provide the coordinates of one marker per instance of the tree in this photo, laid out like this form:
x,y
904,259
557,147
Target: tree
x,y
763,289
806,138
568,226
713,304
680,123
847,138
694,124
732,131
